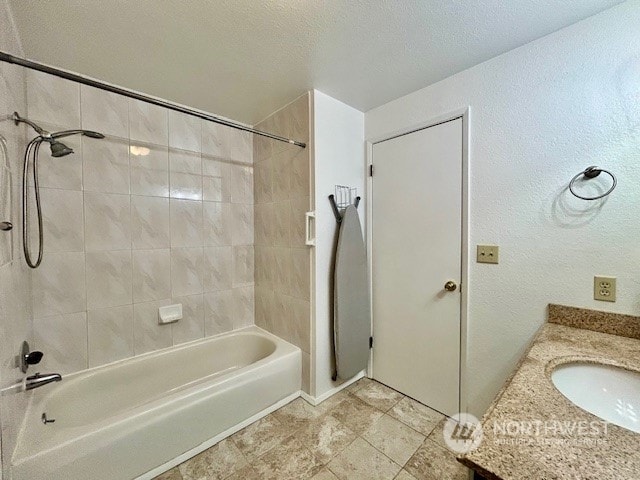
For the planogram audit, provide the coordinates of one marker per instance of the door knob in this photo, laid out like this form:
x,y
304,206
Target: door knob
x,y
450,286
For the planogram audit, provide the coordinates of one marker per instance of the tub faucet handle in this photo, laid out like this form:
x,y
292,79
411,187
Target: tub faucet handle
x,y
27,358
33,358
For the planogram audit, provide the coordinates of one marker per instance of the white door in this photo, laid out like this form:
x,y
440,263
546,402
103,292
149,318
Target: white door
x,y
417,238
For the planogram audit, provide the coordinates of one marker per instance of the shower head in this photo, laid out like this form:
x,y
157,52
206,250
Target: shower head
x,y
59,149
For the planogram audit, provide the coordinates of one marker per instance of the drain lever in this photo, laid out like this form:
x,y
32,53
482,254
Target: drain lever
x,y
45,420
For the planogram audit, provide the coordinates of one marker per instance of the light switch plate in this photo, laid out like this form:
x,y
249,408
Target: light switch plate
x,y
604,289
488,254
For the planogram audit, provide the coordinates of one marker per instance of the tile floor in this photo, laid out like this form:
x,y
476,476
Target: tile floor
x,y
367,431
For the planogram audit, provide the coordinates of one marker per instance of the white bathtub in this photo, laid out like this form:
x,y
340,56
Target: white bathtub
x,y
124,420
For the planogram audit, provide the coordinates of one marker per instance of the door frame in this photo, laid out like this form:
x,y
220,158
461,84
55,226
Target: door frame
x,y
465,114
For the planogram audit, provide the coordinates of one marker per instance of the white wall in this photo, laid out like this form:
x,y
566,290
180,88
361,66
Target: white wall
x,y
339,160
539,115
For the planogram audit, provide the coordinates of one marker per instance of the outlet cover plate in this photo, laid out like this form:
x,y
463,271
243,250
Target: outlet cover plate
x,y
488,254
604,288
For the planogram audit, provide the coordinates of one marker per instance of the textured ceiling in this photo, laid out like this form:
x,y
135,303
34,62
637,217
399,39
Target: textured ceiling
x,y
245,58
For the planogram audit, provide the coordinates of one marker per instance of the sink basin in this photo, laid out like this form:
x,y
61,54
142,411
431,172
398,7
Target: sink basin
x,y
609,392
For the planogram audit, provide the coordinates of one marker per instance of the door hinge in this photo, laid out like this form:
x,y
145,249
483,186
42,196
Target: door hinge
x,y
371,170
370,342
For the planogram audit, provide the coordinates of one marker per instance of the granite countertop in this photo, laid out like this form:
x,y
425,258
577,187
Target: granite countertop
x,y
529,398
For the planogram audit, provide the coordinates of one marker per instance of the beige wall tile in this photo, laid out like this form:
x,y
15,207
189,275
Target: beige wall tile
x,y
53,100
218,223
216,180
191,326
185,131
263,176
109,279
186,223
147,333
148,123
264,308
218,268
282,224
242,224
243,307
300,273
218,312
63,220
104,112
107,221
105,165
110,334
151,275
243,265
63,339
149,172
150,222
281,176
59,284
185,175
187,271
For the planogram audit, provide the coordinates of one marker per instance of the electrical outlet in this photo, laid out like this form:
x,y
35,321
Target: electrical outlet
x,y
604,288
488,254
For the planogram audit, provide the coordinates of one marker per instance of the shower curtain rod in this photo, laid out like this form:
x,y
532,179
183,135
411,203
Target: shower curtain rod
x,y
5,57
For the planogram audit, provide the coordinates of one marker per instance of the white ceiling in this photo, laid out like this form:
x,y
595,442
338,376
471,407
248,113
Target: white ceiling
x,y
245,58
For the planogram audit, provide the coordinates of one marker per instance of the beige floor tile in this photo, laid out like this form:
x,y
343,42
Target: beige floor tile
x,y
246,473
260,437
355,386
437,435
333,401
324,474
173,474
289,460
326,437
297,414
417,416
404,475
215,463
432,462
378,396
355,414
360,461
394,439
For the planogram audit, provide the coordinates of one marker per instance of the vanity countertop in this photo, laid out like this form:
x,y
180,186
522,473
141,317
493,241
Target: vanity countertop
x,y
529,396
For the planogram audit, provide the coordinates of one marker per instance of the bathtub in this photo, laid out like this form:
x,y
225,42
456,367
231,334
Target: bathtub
x,y
136,417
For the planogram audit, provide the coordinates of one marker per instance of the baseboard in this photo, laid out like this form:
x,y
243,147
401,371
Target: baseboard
x,y
218,438
315,401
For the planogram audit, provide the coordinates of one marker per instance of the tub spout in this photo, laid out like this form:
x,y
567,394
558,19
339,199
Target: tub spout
x,y
39,380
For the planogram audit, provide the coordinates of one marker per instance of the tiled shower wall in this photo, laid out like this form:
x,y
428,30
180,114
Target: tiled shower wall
x,y
15,282
282,260
159,212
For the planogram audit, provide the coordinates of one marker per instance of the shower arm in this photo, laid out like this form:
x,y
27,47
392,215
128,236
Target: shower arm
x,y
42,132
67,133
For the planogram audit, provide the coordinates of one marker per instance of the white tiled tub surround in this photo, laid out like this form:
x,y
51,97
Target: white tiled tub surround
x,y
282,260
126,234
15,284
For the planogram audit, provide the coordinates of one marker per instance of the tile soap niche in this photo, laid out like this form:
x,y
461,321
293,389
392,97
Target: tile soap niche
x,y
170,314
